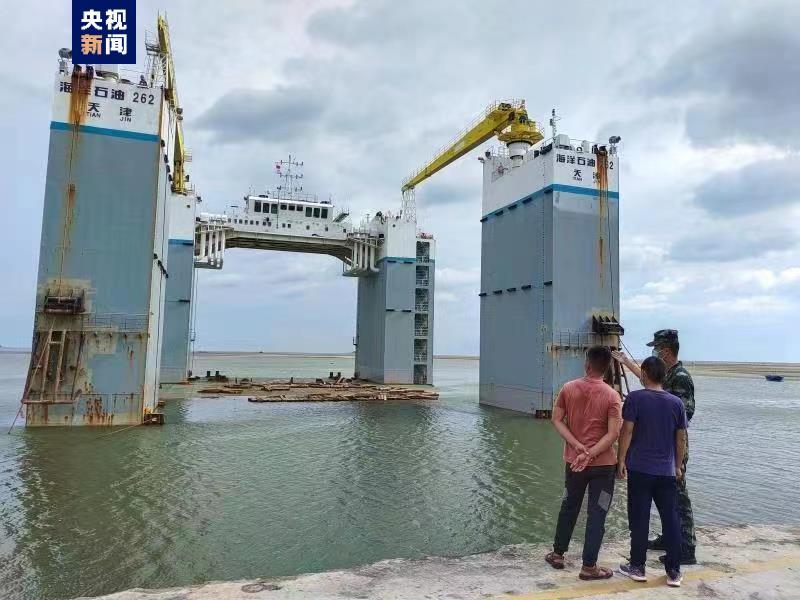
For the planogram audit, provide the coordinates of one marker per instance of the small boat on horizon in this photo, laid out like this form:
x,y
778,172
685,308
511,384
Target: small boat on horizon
x,y
773,377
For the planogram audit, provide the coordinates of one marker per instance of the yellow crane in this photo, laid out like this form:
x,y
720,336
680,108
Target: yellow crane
x,y
507,120
171,94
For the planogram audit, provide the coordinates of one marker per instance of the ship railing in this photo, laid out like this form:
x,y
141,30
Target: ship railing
x,y
134,400
364,237
112,322
420,357
421,331
116,321
570,338
422,281
48,398
421,306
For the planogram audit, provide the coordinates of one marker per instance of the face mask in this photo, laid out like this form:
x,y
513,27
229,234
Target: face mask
x,y
655,353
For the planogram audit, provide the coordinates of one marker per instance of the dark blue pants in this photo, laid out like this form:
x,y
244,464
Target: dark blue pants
x,y
643,490
600,481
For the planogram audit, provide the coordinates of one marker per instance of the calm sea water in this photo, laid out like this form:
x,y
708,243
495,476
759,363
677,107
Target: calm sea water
x,y
229,490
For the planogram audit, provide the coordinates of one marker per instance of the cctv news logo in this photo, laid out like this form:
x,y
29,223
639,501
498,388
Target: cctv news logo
x,y
104,31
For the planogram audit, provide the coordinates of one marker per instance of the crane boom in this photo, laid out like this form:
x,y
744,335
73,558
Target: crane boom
x,y
171,94
507,120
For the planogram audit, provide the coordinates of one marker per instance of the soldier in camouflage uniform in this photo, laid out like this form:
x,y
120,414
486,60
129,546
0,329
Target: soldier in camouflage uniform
x,y
679,383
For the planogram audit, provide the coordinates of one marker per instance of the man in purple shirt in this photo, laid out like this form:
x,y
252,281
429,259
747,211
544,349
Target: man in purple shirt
x,y
651,449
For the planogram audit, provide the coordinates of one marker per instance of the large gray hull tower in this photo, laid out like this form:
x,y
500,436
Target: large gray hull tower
x,y
395,314
549,269
102,267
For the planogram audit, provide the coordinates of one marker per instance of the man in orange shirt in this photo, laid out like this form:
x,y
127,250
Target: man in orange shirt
x,y
587,414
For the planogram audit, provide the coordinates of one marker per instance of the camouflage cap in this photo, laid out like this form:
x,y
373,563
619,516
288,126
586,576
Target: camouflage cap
x,y
664,336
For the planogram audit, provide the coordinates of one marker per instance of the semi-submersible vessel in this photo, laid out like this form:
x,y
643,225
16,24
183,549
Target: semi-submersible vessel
x,y
122,238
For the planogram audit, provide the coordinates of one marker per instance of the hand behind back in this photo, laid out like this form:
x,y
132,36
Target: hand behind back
x,y
580,463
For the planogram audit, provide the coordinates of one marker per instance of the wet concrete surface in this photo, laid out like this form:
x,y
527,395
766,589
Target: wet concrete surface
x,y
749,563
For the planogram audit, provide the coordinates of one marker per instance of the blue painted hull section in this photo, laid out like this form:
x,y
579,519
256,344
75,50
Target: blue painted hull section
x,y
543,275
177,312
102,239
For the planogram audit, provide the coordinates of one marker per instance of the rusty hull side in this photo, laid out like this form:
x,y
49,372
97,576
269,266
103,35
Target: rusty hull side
x,y
103,207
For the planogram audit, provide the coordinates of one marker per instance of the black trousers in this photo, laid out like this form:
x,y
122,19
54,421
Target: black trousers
x,y
643,490
600,481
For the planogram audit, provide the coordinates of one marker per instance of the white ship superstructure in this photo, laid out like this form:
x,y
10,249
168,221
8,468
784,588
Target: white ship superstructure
x,y
302,216
392,260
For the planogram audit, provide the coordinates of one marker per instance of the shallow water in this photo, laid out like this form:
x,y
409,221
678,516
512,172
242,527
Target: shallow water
x,y
230,490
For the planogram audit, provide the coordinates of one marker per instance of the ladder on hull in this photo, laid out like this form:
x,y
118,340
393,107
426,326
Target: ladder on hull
x,y
45,374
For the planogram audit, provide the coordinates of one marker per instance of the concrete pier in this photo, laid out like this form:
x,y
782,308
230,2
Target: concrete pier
x,y
753,563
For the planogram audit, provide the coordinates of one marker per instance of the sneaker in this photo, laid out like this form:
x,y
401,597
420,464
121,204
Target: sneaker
x,y
674,578
635,573
657,544
686,559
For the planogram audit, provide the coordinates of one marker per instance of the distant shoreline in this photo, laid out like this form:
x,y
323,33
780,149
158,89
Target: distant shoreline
x,y
791,371
313,354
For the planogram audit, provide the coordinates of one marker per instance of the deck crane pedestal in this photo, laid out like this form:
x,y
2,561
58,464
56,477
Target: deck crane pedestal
x,y
549,254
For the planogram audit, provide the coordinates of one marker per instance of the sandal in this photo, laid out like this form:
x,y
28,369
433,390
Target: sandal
x,y
595,572
555,560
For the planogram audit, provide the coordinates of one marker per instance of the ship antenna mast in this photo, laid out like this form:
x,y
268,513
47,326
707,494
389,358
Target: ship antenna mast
x,y
290,171
553,120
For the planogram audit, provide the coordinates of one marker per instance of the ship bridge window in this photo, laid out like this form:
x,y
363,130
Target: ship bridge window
x,y
324,213
283,207
291,207
257,207
308,211
316,212
274,209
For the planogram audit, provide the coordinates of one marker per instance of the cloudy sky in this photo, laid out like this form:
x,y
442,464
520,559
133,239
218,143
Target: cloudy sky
x,y
705,96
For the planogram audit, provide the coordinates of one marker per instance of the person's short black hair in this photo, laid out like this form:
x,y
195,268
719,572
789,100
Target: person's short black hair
x,y
599,358
673,345
655,369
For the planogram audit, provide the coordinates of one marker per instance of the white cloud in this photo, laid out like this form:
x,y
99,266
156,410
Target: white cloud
x,y
666,286
364,91
452,277
644,302
753,304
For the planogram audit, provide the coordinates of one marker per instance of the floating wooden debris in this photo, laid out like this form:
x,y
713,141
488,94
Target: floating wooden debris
x,y
338,389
